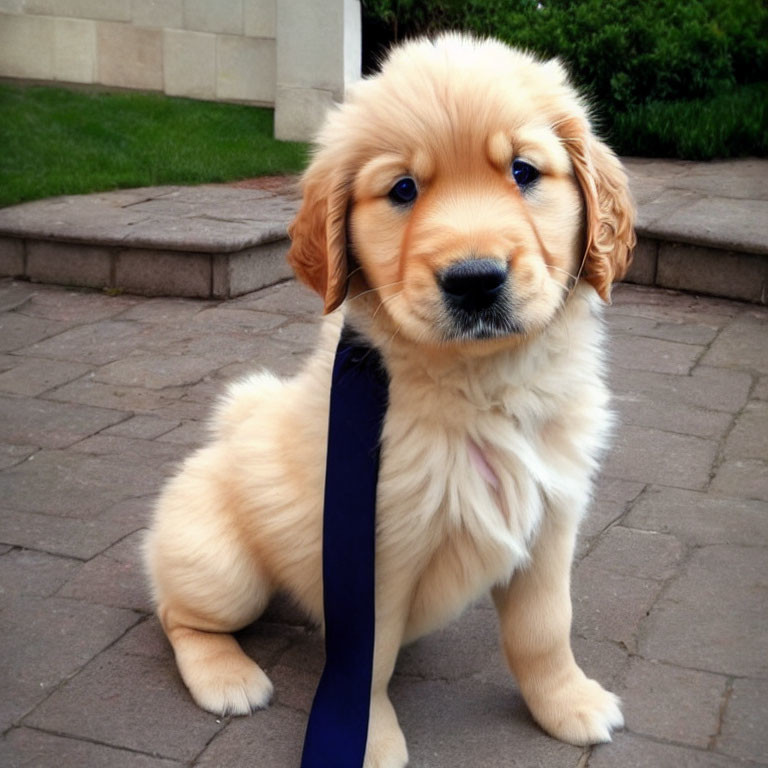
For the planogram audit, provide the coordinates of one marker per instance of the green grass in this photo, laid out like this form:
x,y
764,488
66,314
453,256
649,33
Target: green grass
x,y
56,141
731,124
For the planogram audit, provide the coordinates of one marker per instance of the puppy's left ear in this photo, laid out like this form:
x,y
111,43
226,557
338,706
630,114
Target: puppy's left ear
x,y
318,252
610,211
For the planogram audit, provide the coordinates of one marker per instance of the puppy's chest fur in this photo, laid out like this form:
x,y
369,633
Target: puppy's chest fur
x,y
476,453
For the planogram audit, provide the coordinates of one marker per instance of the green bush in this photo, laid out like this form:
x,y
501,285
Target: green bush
x,y
729,124
628,57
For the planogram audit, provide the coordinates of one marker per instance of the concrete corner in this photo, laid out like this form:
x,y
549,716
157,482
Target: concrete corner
x,y
318,49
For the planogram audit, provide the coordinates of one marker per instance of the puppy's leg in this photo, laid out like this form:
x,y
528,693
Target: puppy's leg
x,y
207,583
535,616
386,744
220,677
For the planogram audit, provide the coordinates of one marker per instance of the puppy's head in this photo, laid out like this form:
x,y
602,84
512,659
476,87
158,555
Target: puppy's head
x,y
460,194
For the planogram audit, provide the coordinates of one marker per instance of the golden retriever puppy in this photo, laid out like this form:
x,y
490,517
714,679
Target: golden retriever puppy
x,y
468,224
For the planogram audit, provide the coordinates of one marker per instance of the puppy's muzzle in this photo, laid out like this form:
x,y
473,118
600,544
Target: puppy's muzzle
x,y
473,285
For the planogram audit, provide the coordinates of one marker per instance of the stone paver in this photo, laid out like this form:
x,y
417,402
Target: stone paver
x,y
47,640
742,477
102,396
708,203
742,345
744,733
671,703
71,537
72,484
658,456
34,376
51,425
129,702
633,752
715,615
700,518
28,748
25,572
643,554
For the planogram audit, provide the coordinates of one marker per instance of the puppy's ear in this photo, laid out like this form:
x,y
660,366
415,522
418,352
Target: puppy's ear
x,y
610,212
318,252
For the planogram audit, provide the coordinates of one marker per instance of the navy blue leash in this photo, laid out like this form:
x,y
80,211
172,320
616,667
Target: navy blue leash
x,y
338,723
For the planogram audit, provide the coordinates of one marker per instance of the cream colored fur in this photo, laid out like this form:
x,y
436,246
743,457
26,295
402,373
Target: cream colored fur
x,y
489,446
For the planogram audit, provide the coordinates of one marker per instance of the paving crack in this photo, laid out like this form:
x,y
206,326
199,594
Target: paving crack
x,y
89,740
727,693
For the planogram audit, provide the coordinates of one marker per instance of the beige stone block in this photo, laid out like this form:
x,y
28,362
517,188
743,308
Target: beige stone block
x,y
299,112
223,16
68,264
26,46
130,57
643,268
189,63
11,6
237,273
729,274
74,51
245,69
259,17
319,44
108,10
11,257
158,13
164,273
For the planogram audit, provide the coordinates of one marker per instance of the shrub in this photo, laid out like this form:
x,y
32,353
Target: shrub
x,y
627,56
731,123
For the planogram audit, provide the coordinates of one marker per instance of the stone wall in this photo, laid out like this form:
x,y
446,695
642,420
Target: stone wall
x,y
318,55
205,49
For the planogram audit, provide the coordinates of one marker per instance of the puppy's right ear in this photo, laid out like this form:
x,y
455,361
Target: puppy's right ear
x,y
318,252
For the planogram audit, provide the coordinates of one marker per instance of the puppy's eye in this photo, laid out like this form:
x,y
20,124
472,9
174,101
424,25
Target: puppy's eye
x,y
404,192
524,173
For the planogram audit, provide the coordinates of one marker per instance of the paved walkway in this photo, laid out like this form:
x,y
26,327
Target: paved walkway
x,y
101,396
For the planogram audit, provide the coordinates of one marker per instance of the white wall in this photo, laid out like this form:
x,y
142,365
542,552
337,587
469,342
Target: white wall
x,y
318,55
206,49
295,55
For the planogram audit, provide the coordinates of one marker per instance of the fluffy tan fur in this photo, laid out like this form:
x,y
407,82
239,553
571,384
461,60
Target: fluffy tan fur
x,y
489,445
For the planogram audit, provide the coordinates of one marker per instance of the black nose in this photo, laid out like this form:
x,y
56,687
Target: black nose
x,y
474,284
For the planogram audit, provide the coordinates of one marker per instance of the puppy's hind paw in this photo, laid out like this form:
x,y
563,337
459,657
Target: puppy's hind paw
x,y
581,712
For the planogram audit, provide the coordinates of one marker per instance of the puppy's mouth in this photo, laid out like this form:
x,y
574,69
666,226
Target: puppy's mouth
x,y
476,300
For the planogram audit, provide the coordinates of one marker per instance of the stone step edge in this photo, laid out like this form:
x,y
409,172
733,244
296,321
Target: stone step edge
x,y
194,274
704,239
682,266
161,242
145,271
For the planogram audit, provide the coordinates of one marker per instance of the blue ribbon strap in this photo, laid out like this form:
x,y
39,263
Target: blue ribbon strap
x,y
338,723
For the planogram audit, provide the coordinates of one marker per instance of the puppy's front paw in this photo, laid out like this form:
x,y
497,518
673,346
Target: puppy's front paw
x,y
579,712
387,751
386,744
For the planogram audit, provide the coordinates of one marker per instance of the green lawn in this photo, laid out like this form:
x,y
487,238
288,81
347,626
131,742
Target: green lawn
x,y
56,141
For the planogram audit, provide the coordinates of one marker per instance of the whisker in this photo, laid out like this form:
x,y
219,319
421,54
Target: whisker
x,y
371,290
383,301
354,271
564,271
392,337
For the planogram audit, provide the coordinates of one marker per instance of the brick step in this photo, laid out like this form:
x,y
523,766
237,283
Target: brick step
x,y
205,242
710,271
702,227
